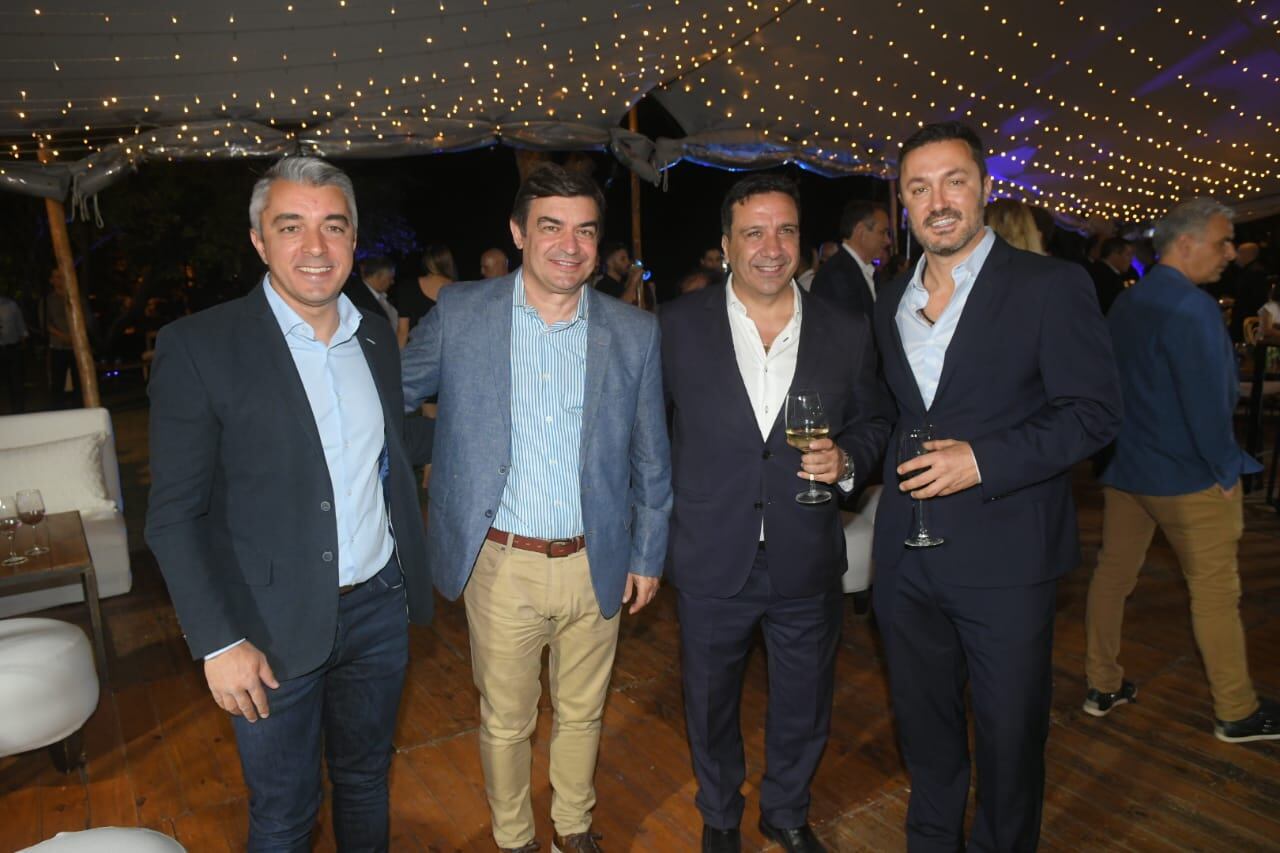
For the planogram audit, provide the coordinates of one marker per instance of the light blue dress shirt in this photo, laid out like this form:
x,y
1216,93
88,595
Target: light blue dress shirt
x,y
348,415
925,345
543,496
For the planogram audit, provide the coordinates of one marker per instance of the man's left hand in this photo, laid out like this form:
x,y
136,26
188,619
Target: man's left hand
x,y
822,462
950,465
641,588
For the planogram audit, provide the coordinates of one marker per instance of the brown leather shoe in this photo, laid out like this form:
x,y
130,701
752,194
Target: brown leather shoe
x,y
579,842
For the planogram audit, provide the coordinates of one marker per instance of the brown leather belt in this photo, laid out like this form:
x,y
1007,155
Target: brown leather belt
x,y
545,547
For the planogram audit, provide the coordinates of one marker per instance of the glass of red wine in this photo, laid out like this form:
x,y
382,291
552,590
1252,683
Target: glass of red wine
x,y
910,446
9,526
31,513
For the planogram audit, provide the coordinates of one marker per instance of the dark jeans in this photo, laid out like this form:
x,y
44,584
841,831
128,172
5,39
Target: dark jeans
x,y
349,707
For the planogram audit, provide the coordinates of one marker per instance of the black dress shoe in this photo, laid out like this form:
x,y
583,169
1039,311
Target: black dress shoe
x,y
721,840
799,839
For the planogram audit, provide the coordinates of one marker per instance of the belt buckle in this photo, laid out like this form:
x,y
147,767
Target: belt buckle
x,y
563,543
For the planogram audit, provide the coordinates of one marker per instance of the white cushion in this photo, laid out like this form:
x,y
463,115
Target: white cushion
x,y
68,473
108,839
48,685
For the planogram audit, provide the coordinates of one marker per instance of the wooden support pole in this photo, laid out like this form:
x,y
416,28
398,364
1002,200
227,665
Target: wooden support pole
x,y
75,315
633,124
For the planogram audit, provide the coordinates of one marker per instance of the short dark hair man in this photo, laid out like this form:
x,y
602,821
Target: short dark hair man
x,y
550,491
731,352
1176,466
369,292
848,278
288,531
1005,355
1109,271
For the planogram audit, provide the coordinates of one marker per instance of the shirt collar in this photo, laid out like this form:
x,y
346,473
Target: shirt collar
x,y
518,299
291,323
736,305
965,272
869,270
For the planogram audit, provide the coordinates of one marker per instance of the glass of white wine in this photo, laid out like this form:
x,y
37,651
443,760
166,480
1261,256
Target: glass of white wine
x,y
9,526
31,513
806,421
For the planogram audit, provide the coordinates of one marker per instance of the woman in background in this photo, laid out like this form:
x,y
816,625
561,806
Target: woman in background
x,y
1013,221
438,269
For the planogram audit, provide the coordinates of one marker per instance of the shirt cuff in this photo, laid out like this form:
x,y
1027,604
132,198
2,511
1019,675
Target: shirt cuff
x,y
213,655
974,456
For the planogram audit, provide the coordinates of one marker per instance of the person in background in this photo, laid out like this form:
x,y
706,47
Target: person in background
x,y
369,291
1110,270
414,303
494,263
13,353
848,279
1247,284
1013,221
712,263
1176,466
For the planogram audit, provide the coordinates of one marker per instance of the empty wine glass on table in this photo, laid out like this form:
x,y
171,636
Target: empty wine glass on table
x,y
806,421
911,445
31,513
9,526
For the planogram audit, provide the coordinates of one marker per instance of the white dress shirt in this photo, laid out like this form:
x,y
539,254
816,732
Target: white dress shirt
x,y
868,270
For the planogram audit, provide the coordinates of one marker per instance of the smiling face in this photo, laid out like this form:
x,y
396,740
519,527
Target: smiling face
x,y
307,242
558,243
763,244
944,193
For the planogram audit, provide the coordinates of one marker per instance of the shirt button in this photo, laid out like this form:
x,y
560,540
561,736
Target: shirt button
x,y
327,556
325,506
548,418
759,505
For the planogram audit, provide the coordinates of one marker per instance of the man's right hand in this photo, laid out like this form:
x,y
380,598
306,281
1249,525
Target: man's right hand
x,y
238,679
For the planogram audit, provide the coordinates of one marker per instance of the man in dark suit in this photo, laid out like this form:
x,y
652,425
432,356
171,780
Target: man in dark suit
x,y
743,553
1109,271
1004,354
848,278
369,292
284,515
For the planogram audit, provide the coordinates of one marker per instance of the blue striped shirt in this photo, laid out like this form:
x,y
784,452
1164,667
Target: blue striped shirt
x,y
543,496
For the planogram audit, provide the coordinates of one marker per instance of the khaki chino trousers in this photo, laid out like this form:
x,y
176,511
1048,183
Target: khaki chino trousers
x,y
1204,529
518,603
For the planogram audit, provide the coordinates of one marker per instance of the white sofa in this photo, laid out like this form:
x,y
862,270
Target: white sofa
x,y
56,453
858,527
48,685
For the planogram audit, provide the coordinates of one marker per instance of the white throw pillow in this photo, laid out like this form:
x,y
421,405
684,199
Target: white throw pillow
x,y
68,473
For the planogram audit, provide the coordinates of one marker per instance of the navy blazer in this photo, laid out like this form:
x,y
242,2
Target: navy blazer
x,y
840,282
1029,381
462,352
727,479
240,515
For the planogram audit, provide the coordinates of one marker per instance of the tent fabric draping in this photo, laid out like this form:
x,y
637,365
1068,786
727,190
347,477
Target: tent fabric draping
x,y
1089,107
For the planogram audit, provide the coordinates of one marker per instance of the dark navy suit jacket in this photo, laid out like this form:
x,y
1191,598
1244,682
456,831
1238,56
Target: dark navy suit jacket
x,y
1029,381
727,478
840,282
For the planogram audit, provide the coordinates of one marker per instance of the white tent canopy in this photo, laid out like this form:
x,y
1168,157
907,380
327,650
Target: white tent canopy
x,y
1089,108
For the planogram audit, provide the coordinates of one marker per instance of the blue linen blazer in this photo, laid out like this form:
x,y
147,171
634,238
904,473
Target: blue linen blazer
x,y
461,352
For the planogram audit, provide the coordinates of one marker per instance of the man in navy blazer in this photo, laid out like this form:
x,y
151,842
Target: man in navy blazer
x,y
847,279
550,491
1005,355
284,515
743,552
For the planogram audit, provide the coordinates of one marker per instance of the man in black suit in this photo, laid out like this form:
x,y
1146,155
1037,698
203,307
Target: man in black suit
x,y
369,293
848,278
1109,271
742,552
1004,354
284,515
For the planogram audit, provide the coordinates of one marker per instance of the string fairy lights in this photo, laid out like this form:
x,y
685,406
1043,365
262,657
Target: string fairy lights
x,y
1090,108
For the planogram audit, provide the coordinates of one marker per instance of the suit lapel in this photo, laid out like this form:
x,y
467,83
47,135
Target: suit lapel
x,y
813,336
599,336
976,319
723,360
496,328
892,297
371,357
280,373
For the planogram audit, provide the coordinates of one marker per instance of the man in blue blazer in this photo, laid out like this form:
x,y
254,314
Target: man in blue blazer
x,y
284,515
550,491
743,553
1004,354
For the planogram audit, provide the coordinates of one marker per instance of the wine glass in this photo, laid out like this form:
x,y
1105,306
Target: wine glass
x,y
805,422
31,513
9,526
911,445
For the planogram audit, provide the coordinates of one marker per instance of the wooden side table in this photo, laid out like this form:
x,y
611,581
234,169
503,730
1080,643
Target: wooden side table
x,y
67,562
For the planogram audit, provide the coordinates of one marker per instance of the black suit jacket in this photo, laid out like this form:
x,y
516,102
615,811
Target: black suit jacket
x,y
1107,283
727,479
840,282
1029,381
240,514
361,297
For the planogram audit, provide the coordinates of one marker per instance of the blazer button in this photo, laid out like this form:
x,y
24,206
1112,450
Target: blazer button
x,y
502,470
325,506
759,505
327,556
767,454
488,513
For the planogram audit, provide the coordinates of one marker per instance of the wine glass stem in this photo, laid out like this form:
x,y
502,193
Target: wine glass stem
x,y
921,530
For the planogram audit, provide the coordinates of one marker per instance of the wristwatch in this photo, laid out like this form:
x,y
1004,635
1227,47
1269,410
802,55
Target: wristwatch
x,y
846,471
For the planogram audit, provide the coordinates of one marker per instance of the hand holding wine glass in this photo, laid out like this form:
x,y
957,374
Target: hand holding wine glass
x,y
31,513
911,445
806,421
9,526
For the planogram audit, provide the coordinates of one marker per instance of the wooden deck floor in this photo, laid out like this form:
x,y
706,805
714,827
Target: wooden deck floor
x,y
1148,777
